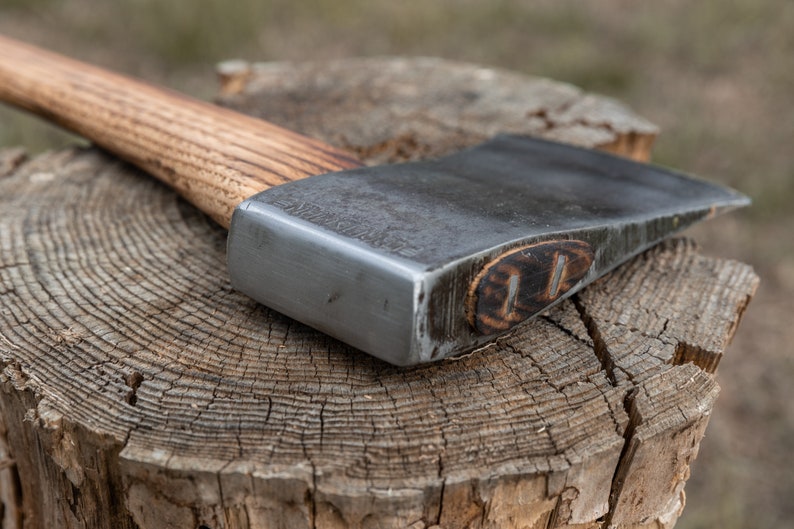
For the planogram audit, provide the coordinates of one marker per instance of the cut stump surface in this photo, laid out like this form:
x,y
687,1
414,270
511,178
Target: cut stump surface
x,y
140,390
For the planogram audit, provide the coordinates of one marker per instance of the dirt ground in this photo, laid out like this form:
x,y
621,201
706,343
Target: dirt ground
x,y
718,78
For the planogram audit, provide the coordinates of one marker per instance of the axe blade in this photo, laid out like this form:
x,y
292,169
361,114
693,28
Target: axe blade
x,y
419,261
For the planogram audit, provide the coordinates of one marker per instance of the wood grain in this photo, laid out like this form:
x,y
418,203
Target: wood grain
x,y
214,157
523,281
138,390
418,108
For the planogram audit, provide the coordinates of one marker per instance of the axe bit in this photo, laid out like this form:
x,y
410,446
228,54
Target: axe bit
x,y
409,262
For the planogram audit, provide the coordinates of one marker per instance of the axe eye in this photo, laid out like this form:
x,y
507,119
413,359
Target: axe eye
x,y
523,281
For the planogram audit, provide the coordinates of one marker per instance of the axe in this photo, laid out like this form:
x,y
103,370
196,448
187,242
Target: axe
x,y
409,262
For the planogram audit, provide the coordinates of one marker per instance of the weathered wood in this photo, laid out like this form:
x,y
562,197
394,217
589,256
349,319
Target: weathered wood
x,y
418,108
139,390
212,157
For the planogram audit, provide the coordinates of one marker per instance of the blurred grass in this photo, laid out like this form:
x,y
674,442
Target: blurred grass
x,y
634,54
716,76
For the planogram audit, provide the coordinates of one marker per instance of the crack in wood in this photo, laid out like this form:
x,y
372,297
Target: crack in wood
x,y
133,380
601,350
312,496
599,345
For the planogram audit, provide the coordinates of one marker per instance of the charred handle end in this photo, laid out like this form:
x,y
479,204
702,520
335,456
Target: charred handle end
x,y
523,281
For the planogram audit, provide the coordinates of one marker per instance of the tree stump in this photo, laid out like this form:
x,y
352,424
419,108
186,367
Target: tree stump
x,y
140,391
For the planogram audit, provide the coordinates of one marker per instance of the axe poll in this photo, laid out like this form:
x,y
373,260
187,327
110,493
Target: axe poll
x,y
408,262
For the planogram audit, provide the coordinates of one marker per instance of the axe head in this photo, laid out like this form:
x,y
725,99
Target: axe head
x,y
419,261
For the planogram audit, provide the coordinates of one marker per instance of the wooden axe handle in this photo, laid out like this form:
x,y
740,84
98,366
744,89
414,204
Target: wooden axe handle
x,y
212,156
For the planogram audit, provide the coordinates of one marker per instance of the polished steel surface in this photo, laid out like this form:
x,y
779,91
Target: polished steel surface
x,y
381,258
